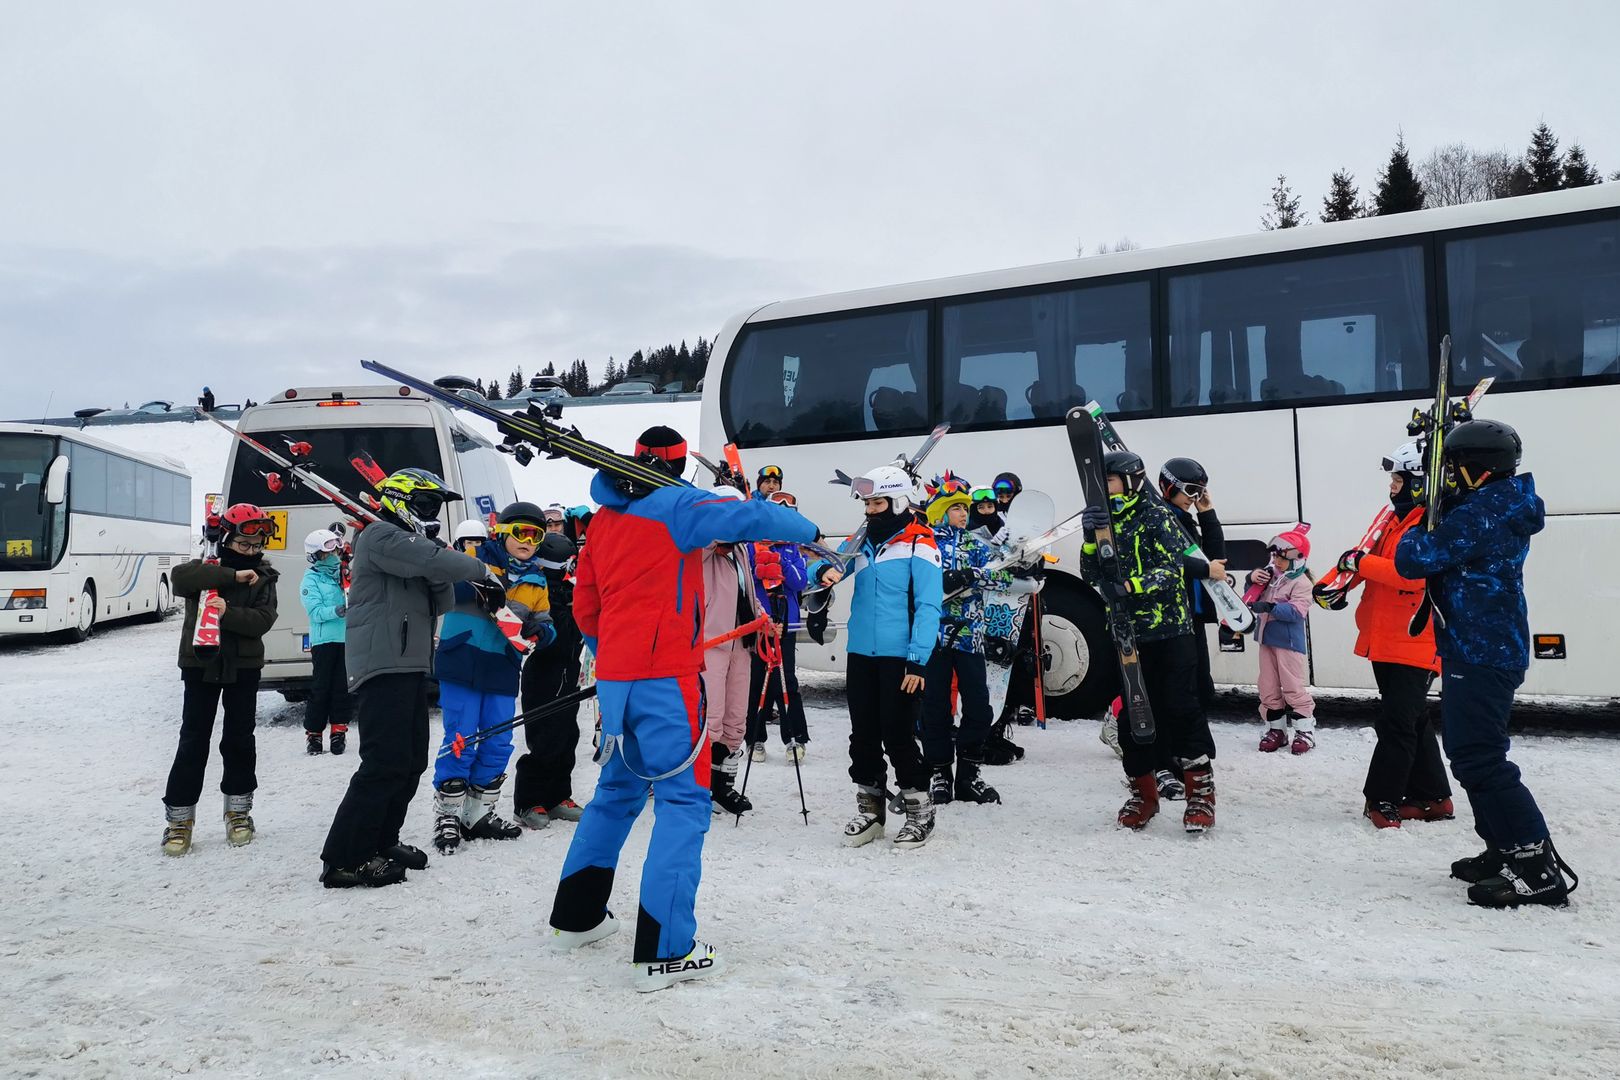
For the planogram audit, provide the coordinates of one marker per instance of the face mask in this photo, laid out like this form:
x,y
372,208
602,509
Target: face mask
x,y
235,560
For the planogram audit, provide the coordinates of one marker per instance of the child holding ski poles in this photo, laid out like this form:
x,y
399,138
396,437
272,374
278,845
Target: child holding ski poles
x,y
1284,605
780,577
326,603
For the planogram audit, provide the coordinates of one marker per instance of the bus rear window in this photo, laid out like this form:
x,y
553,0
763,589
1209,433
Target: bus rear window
x,y
393,449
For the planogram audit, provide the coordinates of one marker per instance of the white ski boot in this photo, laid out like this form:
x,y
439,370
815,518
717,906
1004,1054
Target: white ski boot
x,y
479,821
919,824
448,802
569,940
701,963
238,820
870,814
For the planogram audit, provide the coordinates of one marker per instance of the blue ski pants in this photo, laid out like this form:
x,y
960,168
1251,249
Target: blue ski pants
x,y
466,713
1475,703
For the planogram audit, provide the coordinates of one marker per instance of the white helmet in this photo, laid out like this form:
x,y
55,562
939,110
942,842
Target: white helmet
x,y
471,529
320,542
885,482
1407,458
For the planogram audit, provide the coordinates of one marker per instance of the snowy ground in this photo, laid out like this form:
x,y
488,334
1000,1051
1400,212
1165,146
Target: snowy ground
x,y
1030,939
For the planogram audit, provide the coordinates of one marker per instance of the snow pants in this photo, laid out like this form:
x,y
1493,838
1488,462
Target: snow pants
x,y
1406,762
940,739
237,746
545,775
725,692
883,719
1475,704
656,722
793,727
392,711
1285,686
1170,676
466,713
329,699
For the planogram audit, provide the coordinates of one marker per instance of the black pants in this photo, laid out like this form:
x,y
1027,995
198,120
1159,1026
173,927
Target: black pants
x,y
1406,763
545,775
329,699
236,743
393,715
1206,681
793,725
883,719
1170,674
941,742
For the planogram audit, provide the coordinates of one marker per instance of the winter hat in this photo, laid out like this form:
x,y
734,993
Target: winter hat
x,y
663,444
1296,539
941,504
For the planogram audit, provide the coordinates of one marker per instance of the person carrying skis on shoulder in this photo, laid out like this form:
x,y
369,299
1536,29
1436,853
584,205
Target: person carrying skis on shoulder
x,y
1284,609
324,600
780,577
964,560
893,624
244,588
400,582
638,600
1406,778
478,670
543,778
1474,564
1151,549
725,668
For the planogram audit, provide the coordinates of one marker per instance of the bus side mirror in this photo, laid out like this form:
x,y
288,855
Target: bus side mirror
x,y
56,481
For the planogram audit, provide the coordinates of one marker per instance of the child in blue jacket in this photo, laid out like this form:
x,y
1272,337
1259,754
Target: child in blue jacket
x,y
321,591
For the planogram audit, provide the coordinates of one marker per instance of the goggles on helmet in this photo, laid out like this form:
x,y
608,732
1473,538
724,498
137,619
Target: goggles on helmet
x,y
264,527
784,498
771,472
524,532
1004,487
984,495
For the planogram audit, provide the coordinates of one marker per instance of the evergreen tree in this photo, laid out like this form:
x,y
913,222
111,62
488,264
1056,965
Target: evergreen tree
x,y
493,390
1579,172
515,382
1284,212
1399,189
1543,165
551,369
1343,201
637,364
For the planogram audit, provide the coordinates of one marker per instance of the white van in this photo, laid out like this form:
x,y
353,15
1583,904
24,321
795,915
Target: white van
x,y
401,428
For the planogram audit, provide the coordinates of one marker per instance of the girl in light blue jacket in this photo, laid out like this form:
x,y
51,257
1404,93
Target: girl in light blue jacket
x,y
326,604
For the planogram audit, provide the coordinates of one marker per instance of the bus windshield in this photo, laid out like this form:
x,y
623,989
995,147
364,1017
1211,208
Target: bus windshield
x,y
393,448
31,530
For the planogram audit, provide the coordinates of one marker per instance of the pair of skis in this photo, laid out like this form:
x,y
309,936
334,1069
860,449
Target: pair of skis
x,y
205,634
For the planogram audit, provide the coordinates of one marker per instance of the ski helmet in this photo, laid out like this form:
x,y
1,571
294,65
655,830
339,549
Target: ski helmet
x,y
768,472
415,497
1183,474
1485,449
320,542
1127,466
1407,458
1294,540
245,519
885,482
1007,482
663,447
471,529
940,505
555,514
523,511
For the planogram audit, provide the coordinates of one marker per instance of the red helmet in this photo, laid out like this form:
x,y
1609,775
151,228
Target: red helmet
x,y
245,519
1296,539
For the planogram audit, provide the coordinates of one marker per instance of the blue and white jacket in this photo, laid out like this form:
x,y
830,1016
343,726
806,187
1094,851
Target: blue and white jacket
x,y
472,649
895,607
322,594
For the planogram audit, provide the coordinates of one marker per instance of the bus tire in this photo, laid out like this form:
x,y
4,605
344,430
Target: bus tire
x,y
1080,675
86,625
165,600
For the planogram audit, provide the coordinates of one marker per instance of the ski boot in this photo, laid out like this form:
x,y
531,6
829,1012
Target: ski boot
x,y
870,815
970,786
238,820
1427,809
1530,874
312,743
1487,864
1304,737
701,963
999,749
1171,789
1200,813
535,817
1276,734
941,788
567,810
374,873
919,824
340,738
757,752
177,833
448,803
724,798
407,855
569,940
1383,815
1143,804
479,821
1023,716
794,752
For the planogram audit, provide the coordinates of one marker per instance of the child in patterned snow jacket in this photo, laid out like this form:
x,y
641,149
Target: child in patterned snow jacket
x,y
1283,607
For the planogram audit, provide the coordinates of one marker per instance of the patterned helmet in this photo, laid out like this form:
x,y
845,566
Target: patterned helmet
x,y
415,497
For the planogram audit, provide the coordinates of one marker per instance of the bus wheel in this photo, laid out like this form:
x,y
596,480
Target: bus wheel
x,y
1080,677
85,621
165,600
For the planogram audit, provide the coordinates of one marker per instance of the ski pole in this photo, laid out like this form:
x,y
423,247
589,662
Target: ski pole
x,y
461,743
1040,663
787,711
759,707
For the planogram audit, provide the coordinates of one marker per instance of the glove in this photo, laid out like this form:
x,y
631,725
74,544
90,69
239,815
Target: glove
x,y
1093,518
341,610
1350,561
957,579
491,594
1117,590
1035,571
538,625
1262,607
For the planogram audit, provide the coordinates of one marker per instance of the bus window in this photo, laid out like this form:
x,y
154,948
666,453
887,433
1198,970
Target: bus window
x,y
1536,304
1306,329
29,526
393,448
830,379
87,479
120,487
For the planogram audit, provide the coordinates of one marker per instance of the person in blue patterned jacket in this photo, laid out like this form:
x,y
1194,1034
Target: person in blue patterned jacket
x,y
1473,561
963,558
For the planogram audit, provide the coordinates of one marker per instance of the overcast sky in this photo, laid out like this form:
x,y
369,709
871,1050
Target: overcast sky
x,y
256,196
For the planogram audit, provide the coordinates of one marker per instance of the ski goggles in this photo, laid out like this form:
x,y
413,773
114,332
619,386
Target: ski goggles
x,y
264,527
554,516
1192,491
425,504
771,472
523,532
865,487
1286,552
331,545
984,495
951,485
783,498
1004,487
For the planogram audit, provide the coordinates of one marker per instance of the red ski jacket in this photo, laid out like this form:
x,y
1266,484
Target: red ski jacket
x,y
1387,603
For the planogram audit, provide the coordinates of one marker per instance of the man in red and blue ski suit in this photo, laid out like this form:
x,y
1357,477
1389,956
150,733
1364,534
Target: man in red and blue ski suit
x,y
638,602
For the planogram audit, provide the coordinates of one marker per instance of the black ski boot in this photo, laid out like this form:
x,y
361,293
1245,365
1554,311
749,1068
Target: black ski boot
x,y
999,749
1487,864
970,786
340,737
940,787
725,797
375,872
407,855
312,743
1530,874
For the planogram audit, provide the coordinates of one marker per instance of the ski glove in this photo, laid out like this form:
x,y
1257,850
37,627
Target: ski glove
x,y
1095,517
1262,607
1117,590
341,610
1035,571
538,625
491,596
1350,561
957,579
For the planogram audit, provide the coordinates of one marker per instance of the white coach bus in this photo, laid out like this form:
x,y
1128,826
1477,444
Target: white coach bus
x,y
401,428
89,531
1286,362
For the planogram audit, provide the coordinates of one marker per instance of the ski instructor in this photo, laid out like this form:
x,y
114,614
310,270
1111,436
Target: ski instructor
x,y
638,601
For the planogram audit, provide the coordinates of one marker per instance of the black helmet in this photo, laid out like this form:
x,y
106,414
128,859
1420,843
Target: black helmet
x,y
1484,446
1181,471
523,511
1008,480
1125,464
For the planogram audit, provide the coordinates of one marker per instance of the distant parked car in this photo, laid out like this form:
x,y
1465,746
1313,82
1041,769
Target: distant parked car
x,y
471,389
630,388
673,388
546,393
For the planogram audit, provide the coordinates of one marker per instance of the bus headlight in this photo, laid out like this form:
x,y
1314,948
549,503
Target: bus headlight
x,y
25,600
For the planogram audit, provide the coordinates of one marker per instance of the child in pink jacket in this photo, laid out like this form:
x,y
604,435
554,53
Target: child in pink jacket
x,y
1283,606
726,669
